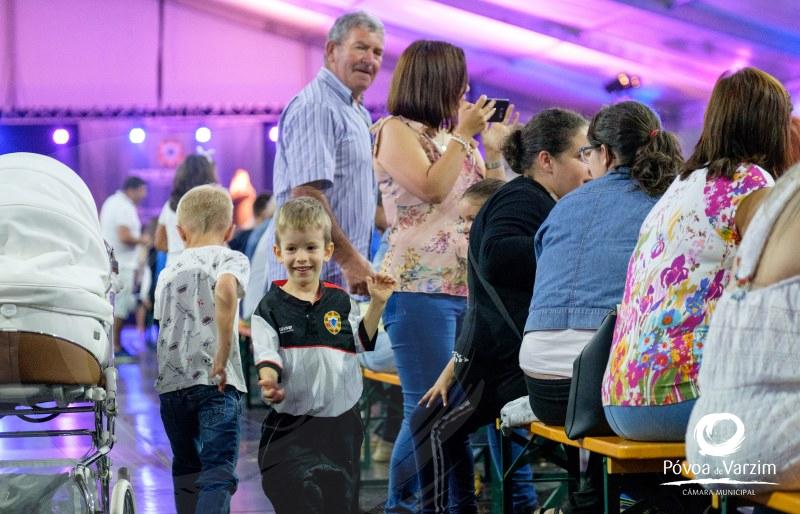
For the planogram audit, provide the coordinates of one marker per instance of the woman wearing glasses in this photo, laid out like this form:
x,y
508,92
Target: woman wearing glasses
x,y
582,252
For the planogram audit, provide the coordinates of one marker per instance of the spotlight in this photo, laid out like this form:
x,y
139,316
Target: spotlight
x,y
273,134
622,82
137,135
202,135
61,136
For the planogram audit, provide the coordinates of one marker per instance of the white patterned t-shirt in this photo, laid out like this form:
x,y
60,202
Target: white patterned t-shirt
x,y
184,306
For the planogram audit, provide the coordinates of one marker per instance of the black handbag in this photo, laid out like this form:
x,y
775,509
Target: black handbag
x,y
585,416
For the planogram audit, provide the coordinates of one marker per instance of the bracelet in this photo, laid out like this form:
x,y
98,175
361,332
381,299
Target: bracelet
x,y
493,165
461,141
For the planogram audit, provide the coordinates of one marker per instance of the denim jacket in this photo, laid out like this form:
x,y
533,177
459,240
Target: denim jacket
x,y
582,252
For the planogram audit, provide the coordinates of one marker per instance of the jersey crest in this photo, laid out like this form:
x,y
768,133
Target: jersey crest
x,y
333,322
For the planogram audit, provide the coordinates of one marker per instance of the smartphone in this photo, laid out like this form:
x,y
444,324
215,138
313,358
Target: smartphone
x,y
500,106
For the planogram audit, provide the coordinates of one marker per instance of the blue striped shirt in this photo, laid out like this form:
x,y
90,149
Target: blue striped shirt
x,y
324,137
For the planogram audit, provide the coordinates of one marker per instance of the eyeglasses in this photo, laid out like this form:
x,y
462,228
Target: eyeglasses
x,y
585,152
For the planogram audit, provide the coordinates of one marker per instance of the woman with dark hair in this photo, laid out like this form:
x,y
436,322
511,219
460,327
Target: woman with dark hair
x,y
484,373
583,248
684,254
195,170
582,251
425,157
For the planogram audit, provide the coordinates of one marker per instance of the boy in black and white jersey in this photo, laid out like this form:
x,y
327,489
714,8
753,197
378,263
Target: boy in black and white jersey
x,y
305,338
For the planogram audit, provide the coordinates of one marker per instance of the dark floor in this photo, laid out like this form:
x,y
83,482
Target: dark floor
x,y
142,445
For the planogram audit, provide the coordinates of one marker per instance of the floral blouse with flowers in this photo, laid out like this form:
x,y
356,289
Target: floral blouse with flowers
x,y
676,274
425,238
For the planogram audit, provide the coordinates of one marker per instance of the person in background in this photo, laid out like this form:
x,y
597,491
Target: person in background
x,y
200,381
145,287
195,170
324,149
256,249
425,157
381,359
259,215
263,210
523,496
582,252
474,197
122,229
239,241
683,257
470,203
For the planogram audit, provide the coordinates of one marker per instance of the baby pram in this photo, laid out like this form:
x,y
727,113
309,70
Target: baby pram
x,y
56,356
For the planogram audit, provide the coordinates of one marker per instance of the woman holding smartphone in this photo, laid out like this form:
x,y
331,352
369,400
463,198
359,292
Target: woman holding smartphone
x,y
425,157
484,373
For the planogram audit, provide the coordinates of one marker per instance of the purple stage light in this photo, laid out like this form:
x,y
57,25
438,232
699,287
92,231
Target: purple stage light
x,y
137,135
273,134
61,136
202,135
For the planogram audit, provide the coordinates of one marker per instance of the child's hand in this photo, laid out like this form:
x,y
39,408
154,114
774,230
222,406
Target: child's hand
x,y
439,388
381,287
218,372
271,391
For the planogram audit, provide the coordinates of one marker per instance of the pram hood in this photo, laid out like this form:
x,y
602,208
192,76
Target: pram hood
x,y
52,253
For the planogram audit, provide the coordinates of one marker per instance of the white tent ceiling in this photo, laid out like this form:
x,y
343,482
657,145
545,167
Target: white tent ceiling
x,y
567,50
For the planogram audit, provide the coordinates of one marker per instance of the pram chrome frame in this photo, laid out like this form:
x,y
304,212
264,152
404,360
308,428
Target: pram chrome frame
x,y
73,399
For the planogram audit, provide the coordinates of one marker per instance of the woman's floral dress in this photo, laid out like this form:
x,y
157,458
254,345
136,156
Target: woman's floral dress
x,y
427,241
676,274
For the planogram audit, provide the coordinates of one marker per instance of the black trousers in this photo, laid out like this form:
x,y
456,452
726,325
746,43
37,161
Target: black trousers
x,y
311,465
441,440
549,400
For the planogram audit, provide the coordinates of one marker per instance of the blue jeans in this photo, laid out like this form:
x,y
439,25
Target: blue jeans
x,y
422,329
523,493
202,425
650,422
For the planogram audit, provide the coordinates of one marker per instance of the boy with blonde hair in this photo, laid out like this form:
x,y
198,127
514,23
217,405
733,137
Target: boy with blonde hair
x,y
200,382
305,337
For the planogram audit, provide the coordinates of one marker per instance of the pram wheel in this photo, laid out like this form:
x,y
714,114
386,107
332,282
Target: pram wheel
x,y
122,501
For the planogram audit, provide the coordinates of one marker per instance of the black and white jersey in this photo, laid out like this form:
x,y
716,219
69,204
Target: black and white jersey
x,y
313,348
